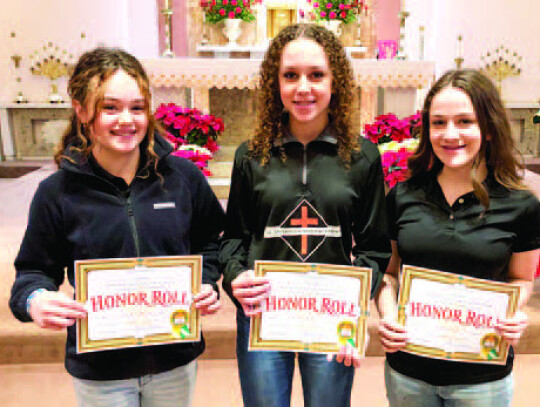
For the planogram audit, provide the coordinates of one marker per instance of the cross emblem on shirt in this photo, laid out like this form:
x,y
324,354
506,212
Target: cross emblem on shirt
x,y
304,221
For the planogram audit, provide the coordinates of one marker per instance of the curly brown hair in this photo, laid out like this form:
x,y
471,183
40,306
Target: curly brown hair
x,y
497,151
85,86
270,124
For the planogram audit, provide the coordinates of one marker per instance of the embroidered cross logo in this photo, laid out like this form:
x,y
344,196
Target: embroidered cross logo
x,y
304,230
304,222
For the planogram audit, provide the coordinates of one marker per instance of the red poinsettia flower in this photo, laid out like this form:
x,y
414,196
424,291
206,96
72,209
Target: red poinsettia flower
x,y
189,130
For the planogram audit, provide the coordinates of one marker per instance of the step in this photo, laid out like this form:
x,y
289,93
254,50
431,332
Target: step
x,y
220,186
225,153
220,169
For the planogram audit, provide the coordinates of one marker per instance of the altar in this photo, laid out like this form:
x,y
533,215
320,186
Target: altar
x,y
227,88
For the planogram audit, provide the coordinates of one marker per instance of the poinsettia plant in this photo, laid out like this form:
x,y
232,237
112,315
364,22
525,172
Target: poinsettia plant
x,y
217,10
192,134
196,154
397,140
338,10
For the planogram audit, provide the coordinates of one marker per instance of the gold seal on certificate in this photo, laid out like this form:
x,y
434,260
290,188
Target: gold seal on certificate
x,y
312,307
450,316
137,301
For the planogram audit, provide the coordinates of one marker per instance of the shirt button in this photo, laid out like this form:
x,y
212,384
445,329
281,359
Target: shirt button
x,y
461,200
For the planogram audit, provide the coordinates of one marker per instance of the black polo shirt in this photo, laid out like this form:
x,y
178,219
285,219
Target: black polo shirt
x,y
463,239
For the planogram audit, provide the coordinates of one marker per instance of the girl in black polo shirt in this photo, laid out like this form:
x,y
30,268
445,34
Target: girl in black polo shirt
x,y
464,210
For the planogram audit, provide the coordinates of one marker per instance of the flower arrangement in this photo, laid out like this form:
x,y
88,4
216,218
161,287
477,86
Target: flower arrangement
x,y
217,10
338,10
192,134
397,140
197,155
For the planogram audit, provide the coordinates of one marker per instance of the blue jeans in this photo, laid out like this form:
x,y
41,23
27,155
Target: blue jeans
x,y
168,389
266,376
403,391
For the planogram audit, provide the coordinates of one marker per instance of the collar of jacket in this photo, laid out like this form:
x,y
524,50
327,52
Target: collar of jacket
x,y
328,135
75,162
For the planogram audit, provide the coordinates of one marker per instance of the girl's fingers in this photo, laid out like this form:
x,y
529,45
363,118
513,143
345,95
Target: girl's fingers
x,y
251,291
348,355
392,326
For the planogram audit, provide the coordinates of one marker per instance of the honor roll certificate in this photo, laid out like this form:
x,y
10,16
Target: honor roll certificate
x,y
312,307
449,316
137,301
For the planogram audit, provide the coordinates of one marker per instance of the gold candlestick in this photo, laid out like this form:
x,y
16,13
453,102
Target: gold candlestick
x,y
500,65
204,39
459,52
16,60
167,13
401,50
53,65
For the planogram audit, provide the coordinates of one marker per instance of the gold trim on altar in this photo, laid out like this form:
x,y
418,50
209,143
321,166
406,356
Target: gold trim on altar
x,y
279,17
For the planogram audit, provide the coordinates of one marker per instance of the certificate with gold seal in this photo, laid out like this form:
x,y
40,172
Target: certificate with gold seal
x,y
312,307
137,301
450,316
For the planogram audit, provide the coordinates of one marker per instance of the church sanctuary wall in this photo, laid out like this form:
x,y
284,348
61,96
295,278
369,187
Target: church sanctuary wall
x,y
484,25
74,26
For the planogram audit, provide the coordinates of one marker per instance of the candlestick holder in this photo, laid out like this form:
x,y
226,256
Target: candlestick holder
x,y
204,39
501,64
53,64
459,62
17,62
167,13
402,20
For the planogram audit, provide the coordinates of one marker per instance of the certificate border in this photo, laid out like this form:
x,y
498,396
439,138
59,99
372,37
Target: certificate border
x,y
409,273
361,273
83,267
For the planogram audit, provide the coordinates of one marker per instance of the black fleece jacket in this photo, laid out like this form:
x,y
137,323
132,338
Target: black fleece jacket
x,y
81,212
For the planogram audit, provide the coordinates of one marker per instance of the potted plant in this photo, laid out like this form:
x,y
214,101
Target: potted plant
x,y
332,13
232,12
397,140
192,134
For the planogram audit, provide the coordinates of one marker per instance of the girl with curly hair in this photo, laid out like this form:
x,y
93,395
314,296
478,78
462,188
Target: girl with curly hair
x,y
465,211
305,158
106,201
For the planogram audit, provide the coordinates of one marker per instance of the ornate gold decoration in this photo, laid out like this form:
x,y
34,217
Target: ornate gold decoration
x,y
53,65
501,64
278,18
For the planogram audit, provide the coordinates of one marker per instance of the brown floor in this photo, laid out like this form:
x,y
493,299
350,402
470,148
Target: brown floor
x,y
217,384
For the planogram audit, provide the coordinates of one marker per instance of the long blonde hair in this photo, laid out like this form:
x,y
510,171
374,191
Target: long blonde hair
x,y
92,70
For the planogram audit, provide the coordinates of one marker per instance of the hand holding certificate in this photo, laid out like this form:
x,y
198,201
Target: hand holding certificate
x,y
137,302
450,316
312,307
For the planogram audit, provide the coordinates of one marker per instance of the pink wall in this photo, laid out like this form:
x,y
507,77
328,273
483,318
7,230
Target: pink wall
x,y
387,19
179,27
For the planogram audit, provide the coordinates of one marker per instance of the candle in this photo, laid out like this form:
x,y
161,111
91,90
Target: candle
x,y
459,47
421,45
166,4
